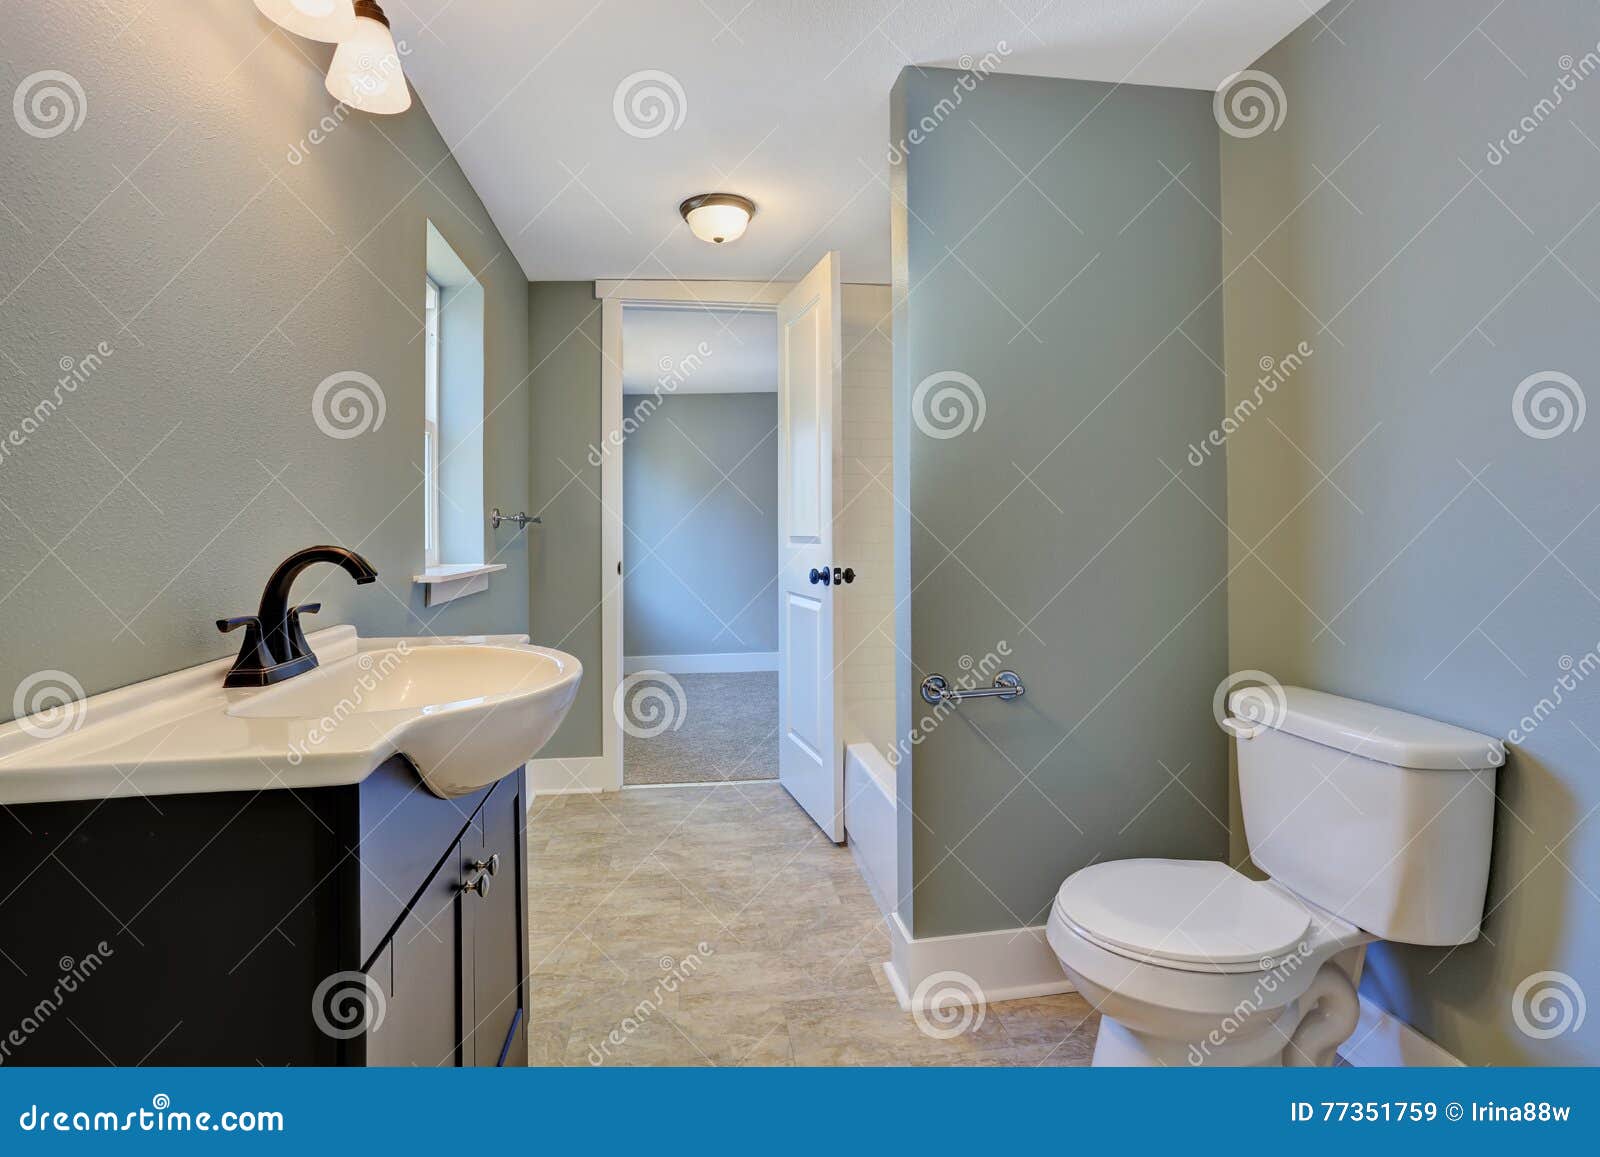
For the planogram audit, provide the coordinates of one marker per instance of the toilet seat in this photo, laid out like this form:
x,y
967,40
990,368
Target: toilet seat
x,y
1191,915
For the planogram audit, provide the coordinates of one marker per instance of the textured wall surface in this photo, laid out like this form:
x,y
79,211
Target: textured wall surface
x,y
564,553
210,242
1052,524
700,514
1409,531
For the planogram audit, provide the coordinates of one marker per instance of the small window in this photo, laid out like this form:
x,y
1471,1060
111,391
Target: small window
x,y
430,424
455,548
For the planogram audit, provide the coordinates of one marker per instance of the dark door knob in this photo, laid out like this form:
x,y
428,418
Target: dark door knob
x,y
820,576
847,575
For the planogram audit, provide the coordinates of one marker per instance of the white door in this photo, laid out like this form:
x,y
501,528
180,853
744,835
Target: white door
x,y
810,450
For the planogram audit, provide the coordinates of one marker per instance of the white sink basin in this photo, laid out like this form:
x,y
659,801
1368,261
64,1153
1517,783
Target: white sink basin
x,y
465,715
465,711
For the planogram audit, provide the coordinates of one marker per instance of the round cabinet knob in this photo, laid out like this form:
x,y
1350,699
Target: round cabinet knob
x,y
491,865
479,884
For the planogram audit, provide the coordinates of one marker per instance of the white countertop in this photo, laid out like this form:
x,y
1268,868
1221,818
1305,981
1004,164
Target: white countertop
x,y
174,734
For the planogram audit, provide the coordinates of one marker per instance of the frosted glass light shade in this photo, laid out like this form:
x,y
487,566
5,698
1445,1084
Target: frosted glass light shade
x,y
365,73
718,217
329,20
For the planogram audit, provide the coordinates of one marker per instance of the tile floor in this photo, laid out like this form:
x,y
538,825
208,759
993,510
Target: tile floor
x,y
716,926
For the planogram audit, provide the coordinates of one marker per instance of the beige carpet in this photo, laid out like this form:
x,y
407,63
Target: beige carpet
x,y
728,730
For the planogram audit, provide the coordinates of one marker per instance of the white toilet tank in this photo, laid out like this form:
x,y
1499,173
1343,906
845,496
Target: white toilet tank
x,y
1379,816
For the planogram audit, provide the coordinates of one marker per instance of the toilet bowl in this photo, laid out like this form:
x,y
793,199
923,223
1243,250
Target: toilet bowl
x,y
1372,824
1192,963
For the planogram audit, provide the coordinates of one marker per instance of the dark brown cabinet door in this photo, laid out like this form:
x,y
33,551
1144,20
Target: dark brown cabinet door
x,y
497,926
421,973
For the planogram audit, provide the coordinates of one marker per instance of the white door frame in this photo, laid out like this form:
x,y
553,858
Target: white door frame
x,y
613,296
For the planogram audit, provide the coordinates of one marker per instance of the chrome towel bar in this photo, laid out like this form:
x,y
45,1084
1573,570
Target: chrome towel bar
x,y
496,518
1007,685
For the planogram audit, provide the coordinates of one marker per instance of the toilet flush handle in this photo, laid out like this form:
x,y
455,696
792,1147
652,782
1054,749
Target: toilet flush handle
x,y
1239,729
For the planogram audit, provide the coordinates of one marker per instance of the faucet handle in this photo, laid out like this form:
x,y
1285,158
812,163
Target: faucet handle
x,y
297,637
253,655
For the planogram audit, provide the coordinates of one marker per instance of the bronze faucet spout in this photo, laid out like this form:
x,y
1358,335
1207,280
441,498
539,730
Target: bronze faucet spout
x,y
275,647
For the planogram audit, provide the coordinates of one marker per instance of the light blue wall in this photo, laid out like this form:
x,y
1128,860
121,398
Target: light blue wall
x,y
1449,565
566,579
233,241
700,511
1054,534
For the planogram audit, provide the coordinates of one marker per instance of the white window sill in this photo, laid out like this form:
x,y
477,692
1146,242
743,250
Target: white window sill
x,y
448,581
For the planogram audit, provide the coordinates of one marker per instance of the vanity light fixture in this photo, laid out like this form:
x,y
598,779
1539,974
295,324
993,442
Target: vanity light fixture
x,y
718,217
329,20
365,73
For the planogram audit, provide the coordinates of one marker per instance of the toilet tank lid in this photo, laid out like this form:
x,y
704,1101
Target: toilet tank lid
x,y
1365,729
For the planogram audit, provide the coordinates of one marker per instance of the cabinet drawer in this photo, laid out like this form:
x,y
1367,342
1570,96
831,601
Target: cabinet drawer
x,y
405,831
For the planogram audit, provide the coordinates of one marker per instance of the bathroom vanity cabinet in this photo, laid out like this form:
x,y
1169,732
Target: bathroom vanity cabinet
x,y
366,924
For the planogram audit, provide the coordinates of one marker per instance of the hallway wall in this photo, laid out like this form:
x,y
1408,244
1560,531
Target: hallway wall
x,y
700,525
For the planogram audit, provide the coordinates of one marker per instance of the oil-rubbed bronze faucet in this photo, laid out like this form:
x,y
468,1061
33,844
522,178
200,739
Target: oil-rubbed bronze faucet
x,y
274,645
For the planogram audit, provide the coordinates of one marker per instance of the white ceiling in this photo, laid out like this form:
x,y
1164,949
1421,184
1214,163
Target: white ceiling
x,y
785,101
702,351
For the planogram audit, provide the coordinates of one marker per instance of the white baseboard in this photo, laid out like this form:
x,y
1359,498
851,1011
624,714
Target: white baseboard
x,y
701,664
1007,964
580,775
1382,1040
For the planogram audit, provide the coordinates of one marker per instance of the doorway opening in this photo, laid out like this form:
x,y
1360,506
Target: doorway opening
x,y
699,695
830,577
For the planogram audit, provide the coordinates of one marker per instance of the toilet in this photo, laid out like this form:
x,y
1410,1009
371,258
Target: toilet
x,y
1371,823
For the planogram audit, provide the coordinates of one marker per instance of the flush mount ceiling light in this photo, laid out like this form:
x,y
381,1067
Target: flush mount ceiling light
x,y
718,217
365,72
330,20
